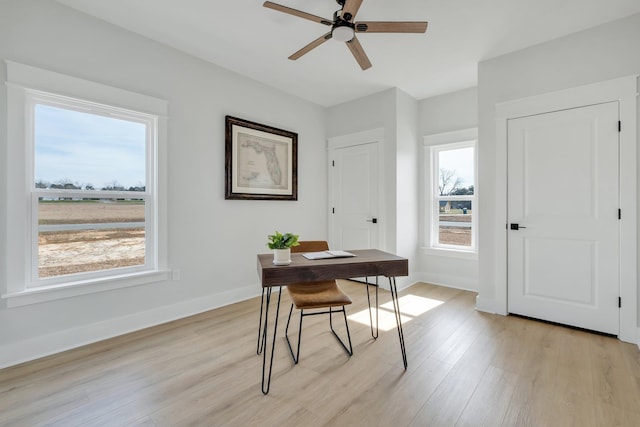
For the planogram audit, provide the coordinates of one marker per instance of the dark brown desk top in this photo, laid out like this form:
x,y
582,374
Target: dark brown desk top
x,y
367,262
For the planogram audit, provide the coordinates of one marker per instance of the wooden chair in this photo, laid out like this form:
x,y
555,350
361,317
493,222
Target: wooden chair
x,y
317,295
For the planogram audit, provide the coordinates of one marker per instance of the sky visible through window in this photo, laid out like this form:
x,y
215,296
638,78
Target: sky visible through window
x,y
461,161
88,149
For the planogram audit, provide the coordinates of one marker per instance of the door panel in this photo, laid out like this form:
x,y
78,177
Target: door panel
x,y
551,263
563,193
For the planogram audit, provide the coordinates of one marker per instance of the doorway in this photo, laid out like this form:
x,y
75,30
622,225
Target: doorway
x,y
356,219
563,223
493,295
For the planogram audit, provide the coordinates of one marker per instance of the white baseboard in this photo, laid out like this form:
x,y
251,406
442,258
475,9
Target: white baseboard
x,y
449,281
401,282
35,348
383,282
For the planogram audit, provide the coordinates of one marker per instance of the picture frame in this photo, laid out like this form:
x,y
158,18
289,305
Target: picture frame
x,y
261,162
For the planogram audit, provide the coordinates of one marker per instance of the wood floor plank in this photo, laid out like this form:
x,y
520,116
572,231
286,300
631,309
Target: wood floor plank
x,y
395,398
447,403
494,391
613,384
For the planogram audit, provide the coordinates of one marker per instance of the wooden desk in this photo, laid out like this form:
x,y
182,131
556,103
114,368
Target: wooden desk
x,y
366,263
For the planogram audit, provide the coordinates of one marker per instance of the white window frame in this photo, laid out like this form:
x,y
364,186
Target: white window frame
x,y
26,87
433,145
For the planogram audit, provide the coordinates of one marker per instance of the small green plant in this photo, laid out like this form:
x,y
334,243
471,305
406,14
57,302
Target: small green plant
x,y
282,241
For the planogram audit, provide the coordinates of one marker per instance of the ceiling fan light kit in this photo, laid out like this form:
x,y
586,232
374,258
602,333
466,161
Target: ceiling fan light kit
x,y
344,29
343,32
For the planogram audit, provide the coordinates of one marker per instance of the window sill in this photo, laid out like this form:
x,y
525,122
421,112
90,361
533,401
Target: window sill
x,y
72,289
451,253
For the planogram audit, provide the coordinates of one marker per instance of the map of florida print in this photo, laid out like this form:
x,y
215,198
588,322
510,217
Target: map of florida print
x,y
262,162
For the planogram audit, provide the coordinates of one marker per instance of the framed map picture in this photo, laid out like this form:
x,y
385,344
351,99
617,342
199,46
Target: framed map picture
x,y
261,162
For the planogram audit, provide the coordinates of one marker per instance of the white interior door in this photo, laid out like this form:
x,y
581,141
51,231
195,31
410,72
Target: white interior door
x,y
563,187
354,211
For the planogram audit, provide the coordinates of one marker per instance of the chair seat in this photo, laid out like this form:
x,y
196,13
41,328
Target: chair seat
x,y
317,295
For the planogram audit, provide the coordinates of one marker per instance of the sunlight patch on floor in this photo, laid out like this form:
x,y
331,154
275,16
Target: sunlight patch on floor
x,y
414,305
410,306
387,319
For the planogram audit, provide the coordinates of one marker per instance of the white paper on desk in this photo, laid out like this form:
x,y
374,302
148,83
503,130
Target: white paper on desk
x,y
327,254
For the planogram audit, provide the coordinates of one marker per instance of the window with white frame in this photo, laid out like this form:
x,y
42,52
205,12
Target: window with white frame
x,y
86,156
451,191
92,189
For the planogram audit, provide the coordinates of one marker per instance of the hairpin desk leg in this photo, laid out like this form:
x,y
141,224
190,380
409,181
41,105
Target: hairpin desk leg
x,y
259,349
266,380
396,309
373,334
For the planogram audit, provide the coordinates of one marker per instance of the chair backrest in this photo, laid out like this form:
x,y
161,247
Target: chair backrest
x,y
310,246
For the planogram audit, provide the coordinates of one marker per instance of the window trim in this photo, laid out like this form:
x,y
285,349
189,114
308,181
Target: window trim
x,y
23,80
432,145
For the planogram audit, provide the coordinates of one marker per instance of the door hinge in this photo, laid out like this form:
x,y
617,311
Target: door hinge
x,y
619,126
619,302
333,163
333,210
619,213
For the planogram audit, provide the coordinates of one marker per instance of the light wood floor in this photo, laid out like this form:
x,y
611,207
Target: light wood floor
x,y
466,368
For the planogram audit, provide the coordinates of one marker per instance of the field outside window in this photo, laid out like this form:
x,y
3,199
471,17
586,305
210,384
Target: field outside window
x,y
78,236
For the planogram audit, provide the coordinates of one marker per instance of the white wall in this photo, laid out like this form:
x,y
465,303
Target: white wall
x,y
407,161
449,112
446,113
601,53
212,241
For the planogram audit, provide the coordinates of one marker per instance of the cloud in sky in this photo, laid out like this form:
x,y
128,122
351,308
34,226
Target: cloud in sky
x,y
87,148
461,161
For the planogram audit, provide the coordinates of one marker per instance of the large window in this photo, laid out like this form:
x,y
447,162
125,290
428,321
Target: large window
x,y
451,192
82,187
92,192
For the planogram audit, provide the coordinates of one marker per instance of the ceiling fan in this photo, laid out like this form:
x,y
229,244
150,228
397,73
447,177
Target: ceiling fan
x,y
343,28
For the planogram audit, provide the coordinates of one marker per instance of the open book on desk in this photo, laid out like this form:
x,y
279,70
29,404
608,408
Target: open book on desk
x,y
327,254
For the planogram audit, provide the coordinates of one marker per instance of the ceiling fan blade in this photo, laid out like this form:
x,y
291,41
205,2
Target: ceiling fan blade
x,y
351,7
298,13
314,44
390,27
358,52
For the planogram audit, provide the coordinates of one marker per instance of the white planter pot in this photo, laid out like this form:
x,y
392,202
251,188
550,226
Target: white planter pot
x,y
282,256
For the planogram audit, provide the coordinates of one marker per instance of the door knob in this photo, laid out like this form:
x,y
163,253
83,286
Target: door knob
x,y
515,226
373,220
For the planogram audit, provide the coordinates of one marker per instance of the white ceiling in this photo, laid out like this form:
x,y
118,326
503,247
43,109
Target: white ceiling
x,y
245,37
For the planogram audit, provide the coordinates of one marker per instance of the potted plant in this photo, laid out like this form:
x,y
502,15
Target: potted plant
x,y
281,245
